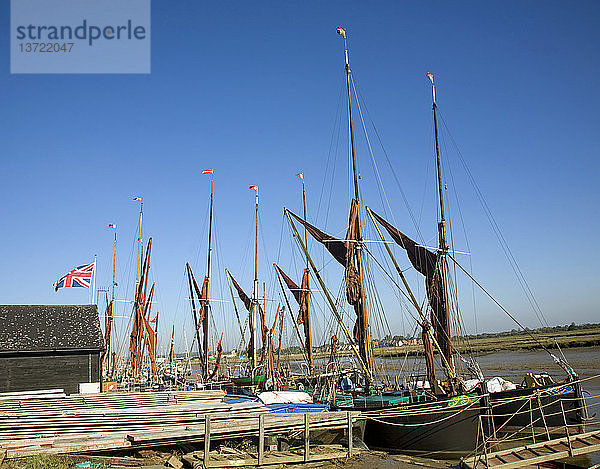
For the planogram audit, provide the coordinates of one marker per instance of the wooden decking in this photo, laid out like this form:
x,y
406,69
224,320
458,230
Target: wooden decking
x,y
552,450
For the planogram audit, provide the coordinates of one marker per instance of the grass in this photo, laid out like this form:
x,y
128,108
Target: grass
x,y
37,462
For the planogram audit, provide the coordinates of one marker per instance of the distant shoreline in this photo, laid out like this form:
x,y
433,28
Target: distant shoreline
x,y
488,343
502,343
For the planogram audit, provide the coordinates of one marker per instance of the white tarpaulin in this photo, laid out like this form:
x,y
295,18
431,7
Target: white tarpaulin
x,y
285,397
498,384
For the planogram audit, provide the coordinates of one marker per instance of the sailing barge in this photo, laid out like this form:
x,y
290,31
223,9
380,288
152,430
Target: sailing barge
x,y
445,415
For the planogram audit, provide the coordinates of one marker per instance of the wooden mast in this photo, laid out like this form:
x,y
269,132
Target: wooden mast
x,y
110,363
328,297
255,300
424,323
443,245
361,306
206,305
308,329
139,261
195,315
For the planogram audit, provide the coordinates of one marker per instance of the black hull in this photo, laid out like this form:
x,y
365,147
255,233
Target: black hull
x,y
522,407
449,431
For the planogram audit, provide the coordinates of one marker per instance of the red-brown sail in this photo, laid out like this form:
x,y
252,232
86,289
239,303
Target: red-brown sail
x,y
344,253
336,247
302,298
218,359
426,262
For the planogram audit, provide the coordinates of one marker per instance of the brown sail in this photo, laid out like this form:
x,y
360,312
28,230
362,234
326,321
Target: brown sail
x,y
218,359
352,277
301,294
426,262
248,304
172,349
335,246
245,299
344,253
135,339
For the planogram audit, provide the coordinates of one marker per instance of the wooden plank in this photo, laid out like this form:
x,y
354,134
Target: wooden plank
x,y
207,440
541,452
349,420
261,438
306,438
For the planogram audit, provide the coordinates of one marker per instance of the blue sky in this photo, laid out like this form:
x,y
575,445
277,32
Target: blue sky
x,y
252,90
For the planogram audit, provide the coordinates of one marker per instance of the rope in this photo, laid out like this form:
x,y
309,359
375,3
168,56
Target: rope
x,y
425,423
503,243
535,339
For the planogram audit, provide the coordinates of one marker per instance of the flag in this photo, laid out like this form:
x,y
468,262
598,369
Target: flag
x,y
300,175
341,32
153,321
80,276
253,188
430,76
207,171
139,199
112,225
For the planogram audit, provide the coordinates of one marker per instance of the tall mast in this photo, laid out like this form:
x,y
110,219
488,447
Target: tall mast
x,y
112,305
361,307
255,299
308,330
206,304
112,297
139,260
443,245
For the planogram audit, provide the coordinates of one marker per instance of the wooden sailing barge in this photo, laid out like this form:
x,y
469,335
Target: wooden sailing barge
x,y
444,417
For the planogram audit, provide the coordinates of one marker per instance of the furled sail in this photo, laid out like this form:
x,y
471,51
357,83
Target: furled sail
x,y
218,359
352,277
172,348
426,262
343,251
301,294
202,296
248,304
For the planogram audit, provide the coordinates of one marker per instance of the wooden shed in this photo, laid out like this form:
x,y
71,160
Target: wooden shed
x,y
49,347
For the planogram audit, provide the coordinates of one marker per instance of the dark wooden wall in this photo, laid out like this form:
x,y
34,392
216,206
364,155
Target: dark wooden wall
x,y
60,370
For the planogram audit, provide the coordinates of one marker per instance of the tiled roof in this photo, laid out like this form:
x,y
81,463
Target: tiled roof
x,y
49,327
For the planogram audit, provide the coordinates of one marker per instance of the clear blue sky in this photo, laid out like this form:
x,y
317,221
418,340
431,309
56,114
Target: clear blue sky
x,y
251,89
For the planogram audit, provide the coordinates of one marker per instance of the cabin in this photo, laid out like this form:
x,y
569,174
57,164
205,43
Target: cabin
x,y
49,347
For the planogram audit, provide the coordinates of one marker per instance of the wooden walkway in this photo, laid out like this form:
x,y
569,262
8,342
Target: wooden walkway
x,y
317,453
552,450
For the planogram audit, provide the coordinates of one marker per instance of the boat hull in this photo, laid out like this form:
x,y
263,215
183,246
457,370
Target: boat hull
x,y
249,381
547,406
443,429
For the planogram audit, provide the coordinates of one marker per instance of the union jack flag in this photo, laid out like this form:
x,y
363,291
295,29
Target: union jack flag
x,y
80,276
